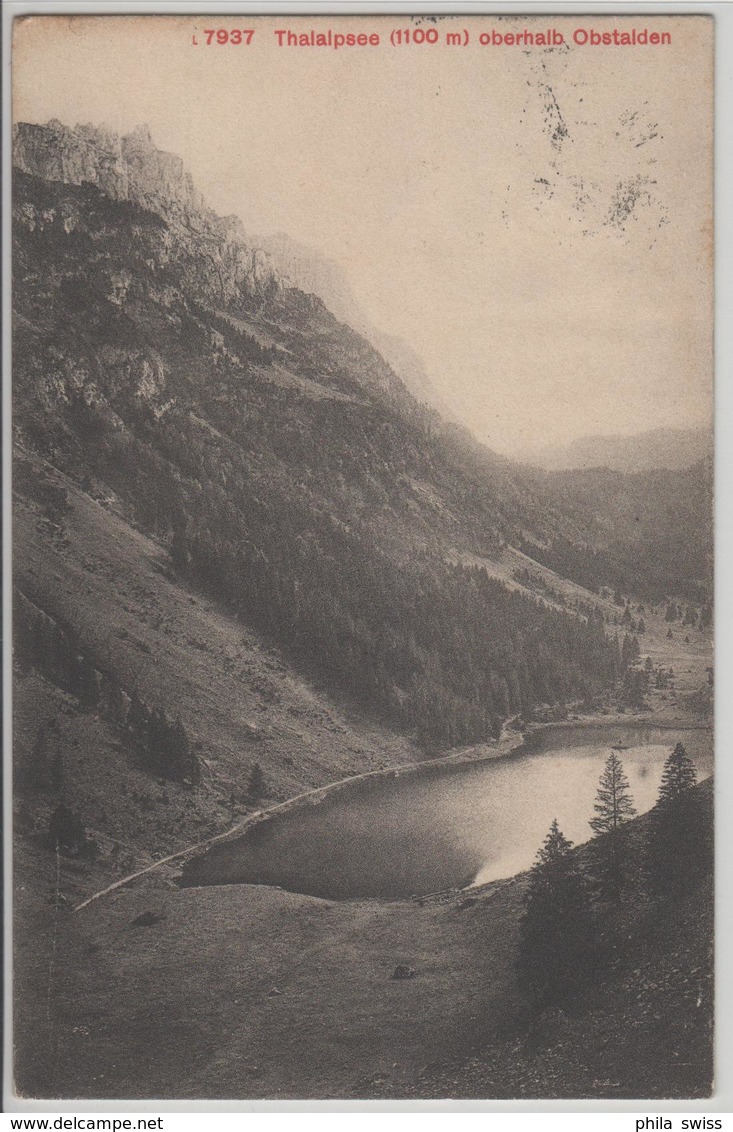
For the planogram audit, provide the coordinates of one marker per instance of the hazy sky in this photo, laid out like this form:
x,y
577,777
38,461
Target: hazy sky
x,y
535,224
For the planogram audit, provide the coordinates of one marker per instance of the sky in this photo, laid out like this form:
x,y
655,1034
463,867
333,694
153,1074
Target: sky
x,y
536,224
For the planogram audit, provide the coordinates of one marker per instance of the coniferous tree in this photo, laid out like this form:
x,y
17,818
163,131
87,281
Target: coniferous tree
x,y
679,846
555,944
613,803
679,774
66,830
613,807
256,784
636,683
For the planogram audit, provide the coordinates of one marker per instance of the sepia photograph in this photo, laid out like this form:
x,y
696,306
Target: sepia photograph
x,y
362,557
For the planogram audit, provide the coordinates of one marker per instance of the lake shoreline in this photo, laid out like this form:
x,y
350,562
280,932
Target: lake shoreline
x,y
510,744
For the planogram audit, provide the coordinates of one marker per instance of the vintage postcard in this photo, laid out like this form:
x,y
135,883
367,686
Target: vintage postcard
x,y
362,556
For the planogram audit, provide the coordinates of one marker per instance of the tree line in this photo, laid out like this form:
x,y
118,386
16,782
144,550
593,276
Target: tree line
x,y
560,945
52,647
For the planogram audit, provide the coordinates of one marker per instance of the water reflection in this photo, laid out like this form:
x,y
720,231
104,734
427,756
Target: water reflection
x,y
448,826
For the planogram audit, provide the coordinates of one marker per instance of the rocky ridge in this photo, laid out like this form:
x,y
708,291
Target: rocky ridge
x,y
131,168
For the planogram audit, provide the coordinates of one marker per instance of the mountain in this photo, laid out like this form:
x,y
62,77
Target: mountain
x,y
163,363
249,561
131,169
274,451
671,448
648,533
308,270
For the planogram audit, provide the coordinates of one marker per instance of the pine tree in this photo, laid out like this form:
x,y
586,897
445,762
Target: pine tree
x,y
555,948
679,848
679,774
635,686
613,803
256,784
613,807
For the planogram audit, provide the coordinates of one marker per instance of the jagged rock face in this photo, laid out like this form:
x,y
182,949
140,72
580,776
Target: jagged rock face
x,y
125,168
157,180
132,168
56,153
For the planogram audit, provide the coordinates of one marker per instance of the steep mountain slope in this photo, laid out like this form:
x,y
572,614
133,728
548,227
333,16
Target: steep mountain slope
x,y
145,634
273,451
654,529
241,544
647,533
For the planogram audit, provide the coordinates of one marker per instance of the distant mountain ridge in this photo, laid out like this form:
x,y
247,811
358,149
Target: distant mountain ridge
x,y
308,270
671,448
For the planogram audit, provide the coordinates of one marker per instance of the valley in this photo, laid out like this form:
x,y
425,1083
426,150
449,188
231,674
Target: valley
x,y
249,566
302,987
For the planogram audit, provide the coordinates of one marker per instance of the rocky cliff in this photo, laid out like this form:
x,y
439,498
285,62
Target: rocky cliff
x,y
131,168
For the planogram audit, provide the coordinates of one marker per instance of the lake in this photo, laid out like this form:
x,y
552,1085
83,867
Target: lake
x,y
447,825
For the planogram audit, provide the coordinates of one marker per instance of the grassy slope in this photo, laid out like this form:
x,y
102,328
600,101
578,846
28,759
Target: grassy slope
x,y
246,991
235,696
184,1006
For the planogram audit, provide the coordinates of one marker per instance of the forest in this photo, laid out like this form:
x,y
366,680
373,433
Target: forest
x,y
296,482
